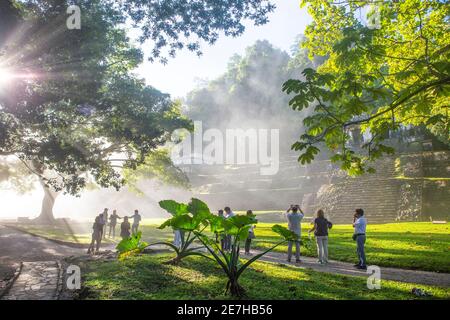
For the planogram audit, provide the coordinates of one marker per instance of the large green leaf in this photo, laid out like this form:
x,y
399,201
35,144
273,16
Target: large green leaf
x,y
131,245
183,222
216,224
240,221
198,207
285,233
173,207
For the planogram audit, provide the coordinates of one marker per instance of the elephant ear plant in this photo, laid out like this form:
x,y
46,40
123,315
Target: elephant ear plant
x,y
192,219
187,218
237,227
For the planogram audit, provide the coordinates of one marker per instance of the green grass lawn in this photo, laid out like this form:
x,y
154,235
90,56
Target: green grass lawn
x,y
410,245
145,277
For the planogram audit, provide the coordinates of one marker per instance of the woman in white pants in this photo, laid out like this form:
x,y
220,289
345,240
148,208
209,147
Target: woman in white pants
x,y
321,226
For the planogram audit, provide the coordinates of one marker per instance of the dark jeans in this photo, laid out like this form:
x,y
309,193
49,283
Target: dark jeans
x,y
227,242
95,242
248,242
112,228
360,241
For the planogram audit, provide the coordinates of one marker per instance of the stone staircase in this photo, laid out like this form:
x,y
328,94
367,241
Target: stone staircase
x,y
404,187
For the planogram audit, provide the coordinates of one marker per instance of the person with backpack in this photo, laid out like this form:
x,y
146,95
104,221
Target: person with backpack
x,y
125,228
320,228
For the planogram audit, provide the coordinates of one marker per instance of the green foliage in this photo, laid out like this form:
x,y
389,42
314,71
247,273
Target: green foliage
x,y
131,246
175,25
375,80
285,233
80,104
188,219
237,227
193,218
173,207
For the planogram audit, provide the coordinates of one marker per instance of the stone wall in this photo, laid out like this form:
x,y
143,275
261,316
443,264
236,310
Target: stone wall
x,y
407,187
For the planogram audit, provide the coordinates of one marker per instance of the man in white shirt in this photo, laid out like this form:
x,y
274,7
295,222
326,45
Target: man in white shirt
x,y
294,224
360,224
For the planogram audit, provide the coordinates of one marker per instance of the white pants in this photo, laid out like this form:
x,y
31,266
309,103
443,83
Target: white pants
x,y
322,248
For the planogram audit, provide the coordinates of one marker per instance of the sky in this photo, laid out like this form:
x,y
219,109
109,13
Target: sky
x,y
183,72
177,78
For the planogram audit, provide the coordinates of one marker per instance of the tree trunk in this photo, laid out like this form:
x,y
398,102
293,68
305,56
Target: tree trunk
x,y
235,289
46,215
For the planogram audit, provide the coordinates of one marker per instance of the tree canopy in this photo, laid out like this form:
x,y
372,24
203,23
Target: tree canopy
x,y
376,77
71,103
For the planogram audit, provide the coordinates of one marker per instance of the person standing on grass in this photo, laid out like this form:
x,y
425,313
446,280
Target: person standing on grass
x,y
125,228
228,238
222,236
320,228
96,240
360,224
294,224
251,235
103,220
136,219
112,223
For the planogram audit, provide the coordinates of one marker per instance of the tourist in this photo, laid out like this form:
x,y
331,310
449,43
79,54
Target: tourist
x,y
105,220
222,236
294,224
251,234
136,219
228,238
96,239
125,228
360,224
112,223
320,228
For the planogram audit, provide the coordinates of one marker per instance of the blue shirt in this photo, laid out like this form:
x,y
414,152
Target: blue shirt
x,y
360,225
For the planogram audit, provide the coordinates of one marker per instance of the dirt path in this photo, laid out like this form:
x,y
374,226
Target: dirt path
x,y
345,268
